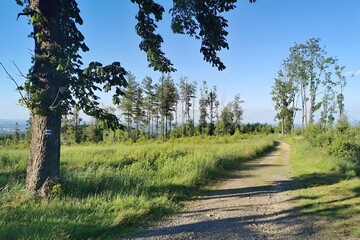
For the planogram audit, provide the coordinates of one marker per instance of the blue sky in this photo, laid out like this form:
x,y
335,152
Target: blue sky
x,y
260,36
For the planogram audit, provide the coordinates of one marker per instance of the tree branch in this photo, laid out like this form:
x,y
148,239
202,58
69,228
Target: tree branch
x,y
18,88
21,74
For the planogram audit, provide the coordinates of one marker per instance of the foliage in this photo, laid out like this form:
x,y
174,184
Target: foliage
x,y
342,142
203,20
256,128
225,125
318,135
283,96
187,93
167,97
149,103
127,104
203,103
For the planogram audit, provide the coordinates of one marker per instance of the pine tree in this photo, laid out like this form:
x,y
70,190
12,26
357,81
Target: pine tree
x,y
203,105
149,103
138,108
187,94
213,104
237,111
225,125
166,93
127,104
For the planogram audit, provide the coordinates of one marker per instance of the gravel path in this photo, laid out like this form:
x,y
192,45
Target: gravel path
x,y
254,203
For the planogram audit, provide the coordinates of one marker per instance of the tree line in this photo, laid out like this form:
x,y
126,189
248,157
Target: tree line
x,y
163,109
151,109
308,81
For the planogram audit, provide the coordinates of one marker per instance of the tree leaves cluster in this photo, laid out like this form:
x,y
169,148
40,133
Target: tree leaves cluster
x,y
203,20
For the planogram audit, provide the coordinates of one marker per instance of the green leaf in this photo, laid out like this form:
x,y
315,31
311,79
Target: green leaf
x,y
59,67
84,48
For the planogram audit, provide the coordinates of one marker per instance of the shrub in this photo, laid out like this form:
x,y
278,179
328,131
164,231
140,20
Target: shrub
x,y
318,135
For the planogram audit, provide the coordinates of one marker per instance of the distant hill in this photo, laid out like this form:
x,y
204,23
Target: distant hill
x,y
8,126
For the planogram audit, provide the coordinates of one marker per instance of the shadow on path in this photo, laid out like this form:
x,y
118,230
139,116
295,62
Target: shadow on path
x,y
260,211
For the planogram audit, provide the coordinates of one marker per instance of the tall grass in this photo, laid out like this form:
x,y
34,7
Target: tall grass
x,y
111,190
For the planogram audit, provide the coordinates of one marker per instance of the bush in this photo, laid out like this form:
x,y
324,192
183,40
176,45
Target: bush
x,y
318,135
344,147
342,143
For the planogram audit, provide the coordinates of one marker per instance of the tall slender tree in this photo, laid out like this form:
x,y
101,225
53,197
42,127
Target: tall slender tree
x,y
167,96
187,94
225,125
213,104
203,104
138,108
128,101
149,103
340,96
283,96
238,111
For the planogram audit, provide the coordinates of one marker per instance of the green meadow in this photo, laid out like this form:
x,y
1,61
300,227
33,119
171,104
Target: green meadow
x,y
113,190
328,189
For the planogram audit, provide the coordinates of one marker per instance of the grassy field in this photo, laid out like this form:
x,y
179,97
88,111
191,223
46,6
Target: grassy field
x,y
328,189
113,190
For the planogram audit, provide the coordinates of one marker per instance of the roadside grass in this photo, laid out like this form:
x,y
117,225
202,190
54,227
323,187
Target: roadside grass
x,y
111,191
328,189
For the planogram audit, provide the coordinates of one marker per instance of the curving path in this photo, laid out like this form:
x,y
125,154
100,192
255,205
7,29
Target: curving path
x,y
253,203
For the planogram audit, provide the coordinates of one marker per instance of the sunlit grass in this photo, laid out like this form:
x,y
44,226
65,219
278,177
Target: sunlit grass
x,y
329,191
112,190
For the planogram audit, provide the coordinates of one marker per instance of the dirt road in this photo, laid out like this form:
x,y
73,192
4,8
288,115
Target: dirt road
x,y
254,203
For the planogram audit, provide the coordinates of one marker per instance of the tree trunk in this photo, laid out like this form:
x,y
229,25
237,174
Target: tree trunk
x,y
304,105
193,116
166,126
157,127
183,122
294,107
149,125
43,170
128,127
312,107
169,124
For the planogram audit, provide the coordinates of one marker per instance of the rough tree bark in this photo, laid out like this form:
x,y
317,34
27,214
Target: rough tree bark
x,y
44,164
43,170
